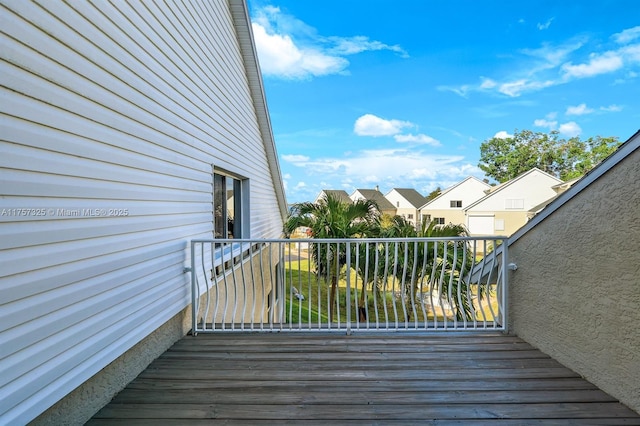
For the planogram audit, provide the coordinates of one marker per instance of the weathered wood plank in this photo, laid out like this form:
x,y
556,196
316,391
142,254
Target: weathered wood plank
x,y
336,395
366,412
354,363
364,385
386,422
337,356
471,373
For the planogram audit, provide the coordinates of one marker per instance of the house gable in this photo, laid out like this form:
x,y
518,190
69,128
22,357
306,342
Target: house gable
x,y
467,191
519,194
374,195
405,198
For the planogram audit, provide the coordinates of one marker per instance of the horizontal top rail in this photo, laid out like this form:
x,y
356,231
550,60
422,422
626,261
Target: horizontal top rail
x,y
348,240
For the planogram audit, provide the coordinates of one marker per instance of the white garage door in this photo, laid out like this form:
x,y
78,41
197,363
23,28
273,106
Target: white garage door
x,y
481,225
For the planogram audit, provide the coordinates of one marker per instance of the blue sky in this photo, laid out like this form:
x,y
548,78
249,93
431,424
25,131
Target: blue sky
x,y
366,93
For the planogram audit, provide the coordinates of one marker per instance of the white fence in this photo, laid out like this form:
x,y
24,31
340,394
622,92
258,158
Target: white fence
x,y
346,285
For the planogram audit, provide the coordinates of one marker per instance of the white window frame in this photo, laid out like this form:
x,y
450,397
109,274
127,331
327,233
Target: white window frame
x,y
240,208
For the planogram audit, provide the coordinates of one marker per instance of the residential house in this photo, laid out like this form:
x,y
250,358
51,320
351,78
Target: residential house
x,y
505,207
339,193
448,207
374,195
407,202
126,128
576,291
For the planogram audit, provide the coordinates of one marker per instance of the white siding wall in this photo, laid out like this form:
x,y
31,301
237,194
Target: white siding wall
x,y
398,200
111,105
469,191
531,190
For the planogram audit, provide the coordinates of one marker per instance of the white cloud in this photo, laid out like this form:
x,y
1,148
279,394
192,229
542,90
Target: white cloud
x,y
419,138
627,35
578,110
598,64
290,49
460,90
487,83
371,125
548,65
502,134
545,25
296,159
611,108
300,185
402,165
570,129
280,56
631,53
357,44
541,122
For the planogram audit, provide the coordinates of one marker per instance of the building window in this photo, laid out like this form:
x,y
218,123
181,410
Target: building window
x,y
426,218
439,220
410,215
499,224
227,206
454,204
514,204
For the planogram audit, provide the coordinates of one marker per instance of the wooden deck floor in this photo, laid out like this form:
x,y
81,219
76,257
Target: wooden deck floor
x,y
363,379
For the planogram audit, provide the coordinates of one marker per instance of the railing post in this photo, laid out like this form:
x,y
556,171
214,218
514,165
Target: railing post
x,y
505,285
194,307
348,277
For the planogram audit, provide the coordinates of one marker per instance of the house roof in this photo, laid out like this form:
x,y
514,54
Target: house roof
x,y
623,151
242,24
375,195
445,191
411,195
339,193
496,189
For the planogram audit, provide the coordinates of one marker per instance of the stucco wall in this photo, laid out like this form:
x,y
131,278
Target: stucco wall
x,y
450,216
576,293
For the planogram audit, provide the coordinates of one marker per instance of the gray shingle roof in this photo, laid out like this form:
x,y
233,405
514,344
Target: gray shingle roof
x,y
412,196
378,197
339,193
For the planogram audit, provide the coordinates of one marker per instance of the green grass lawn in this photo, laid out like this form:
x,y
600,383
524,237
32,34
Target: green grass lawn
x,y
381,306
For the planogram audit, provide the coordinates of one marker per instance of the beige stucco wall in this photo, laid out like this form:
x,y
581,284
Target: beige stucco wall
x,y
576,292
513,220
405,212
450,216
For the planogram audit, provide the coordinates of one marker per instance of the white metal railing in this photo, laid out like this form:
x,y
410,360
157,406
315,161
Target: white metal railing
x,y
457,283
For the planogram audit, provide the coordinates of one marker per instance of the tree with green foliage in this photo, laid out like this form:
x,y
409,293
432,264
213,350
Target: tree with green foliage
x,y
441,264
331,217
433,194
505,158
416,265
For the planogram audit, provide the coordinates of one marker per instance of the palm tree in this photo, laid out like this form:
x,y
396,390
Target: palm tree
x,y
442,265
331,217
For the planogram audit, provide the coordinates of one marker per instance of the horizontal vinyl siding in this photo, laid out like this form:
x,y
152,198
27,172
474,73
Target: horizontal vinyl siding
x,y
111,106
